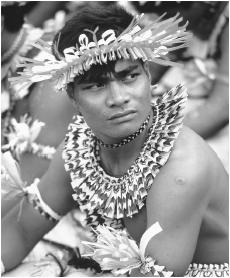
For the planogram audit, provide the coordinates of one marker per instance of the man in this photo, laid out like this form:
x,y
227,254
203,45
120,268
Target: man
x,y
130,163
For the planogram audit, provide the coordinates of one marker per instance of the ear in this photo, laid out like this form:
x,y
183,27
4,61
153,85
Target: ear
x,y
70,92
76,106
146,69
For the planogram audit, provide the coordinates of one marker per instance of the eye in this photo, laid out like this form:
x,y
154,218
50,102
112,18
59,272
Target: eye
x,y
131,77
94,87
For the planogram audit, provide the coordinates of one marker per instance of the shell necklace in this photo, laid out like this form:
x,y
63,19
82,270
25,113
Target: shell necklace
x,y
104,197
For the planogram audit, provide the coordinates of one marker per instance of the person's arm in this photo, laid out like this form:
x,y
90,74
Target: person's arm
x,y
56,111
19,237
207,119
178,200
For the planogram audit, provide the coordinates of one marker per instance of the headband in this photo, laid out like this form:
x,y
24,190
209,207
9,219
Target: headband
x,y
149,43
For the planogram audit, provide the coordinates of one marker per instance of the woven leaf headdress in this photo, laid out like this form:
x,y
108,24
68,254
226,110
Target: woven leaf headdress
x,y
152,43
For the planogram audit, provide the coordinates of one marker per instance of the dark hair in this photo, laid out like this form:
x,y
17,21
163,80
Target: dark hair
x,y
95,73
89,16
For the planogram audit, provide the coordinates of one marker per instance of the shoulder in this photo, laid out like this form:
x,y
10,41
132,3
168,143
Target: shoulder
x,y
192,156
186,179
53,108
56,172
55,185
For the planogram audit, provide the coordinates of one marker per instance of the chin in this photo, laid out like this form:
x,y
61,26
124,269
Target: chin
x,y
125,130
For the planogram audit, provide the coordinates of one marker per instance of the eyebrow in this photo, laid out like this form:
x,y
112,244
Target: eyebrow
x,y
118,75
123,73
106,76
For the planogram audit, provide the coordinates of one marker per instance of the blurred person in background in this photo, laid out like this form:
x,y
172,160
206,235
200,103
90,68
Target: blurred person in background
x,y
43,11
206,66
34,118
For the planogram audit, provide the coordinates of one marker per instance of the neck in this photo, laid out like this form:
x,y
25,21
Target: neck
x,y
117,161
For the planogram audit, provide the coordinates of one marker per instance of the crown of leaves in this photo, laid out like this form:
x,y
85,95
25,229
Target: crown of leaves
x,y
152,43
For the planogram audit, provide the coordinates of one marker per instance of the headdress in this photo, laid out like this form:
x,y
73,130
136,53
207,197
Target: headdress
x,y
152,43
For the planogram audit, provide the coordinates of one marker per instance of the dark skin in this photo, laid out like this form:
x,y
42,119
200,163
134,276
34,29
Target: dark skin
x,y
196,210
188,197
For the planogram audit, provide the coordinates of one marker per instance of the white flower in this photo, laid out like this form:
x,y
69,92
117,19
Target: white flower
x,y
10,167
12,184
35,129
22,134
114,250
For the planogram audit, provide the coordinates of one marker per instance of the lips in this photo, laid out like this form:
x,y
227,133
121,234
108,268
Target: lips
x,y
122,114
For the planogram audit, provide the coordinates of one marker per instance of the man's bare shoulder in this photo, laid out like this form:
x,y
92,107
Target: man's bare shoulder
x,y
193,154
190,170
184,186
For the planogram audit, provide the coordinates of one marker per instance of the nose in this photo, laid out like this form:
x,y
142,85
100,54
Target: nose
x,y
117,94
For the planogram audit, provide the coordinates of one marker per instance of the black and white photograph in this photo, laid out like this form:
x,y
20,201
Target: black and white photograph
x,y
115,138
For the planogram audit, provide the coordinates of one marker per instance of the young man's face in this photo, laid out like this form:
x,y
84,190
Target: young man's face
x,y
115,106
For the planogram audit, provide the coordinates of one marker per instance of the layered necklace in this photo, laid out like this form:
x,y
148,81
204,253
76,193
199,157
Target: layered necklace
x,y
105,198
126,140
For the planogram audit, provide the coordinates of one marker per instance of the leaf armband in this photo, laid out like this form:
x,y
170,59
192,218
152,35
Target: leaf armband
x,y
34,197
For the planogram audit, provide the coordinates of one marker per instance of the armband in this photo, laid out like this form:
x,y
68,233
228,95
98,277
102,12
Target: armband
x,y
34,197
208,270
42,151
2,267
114,250
148,263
